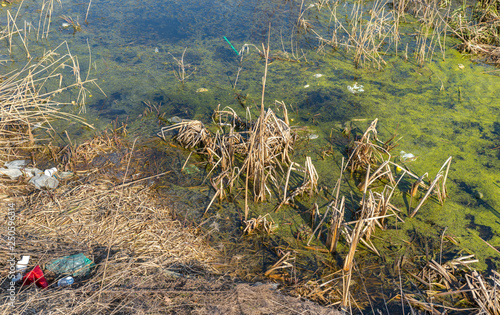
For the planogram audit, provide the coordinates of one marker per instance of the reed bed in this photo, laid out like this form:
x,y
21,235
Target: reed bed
x,y
241,152
28,105
247,154
371,163
450,286
373,30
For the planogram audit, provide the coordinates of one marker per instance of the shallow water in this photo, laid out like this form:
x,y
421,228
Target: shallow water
x,y
440,109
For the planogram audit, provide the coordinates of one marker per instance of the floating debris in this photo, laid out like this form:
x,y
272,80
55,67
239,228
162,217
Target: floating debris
x,y
174,120
407,157
313,136
201,90
461,66
306,86
65,25
355,88
191,169
156,50
318,75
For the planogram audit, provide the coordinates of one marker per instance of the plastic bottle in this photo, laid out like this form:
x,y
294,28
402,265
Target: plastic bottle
x,y
21,267
65,281
23,263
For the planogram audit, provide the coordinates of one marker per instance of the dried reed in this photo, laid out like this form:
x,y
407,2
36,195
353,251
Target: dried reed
x,y
27,100
182,72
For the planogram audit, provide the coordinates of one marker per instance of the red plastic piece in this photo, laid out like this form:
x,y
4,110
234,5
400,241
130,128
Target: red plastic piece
x,y
36,276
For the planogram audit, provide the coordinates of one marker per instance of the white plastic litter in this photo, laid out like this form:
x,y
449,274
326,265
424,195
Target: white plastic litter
x,y
43,180
406,157
50,171
65,281
23,263
17,164
318,75
355,88
21,267
13,173
39,178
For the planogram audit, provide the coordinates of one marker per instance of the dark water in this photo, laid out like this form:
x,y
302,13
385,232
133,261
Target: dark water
x,y
442,108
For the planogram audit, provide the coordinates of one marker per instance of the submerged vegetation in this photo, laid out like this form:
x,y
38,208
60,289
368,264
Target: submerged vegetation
x,y
392,235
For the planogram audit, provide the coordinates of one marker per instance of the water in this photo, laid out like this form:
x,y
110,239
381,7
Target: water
x,y
443,108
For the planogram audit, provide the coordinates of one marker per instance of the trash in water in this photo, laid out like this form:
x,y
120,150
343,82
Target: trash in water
x,y
174,120
76,265
313,136
191,169
306,86
69,280
156,50
35,276
355,88
406,157
201,90
318,75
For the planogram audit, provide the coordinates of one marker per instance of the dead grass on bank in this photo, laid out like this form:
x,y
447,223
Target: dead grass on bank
x,y
122,225
128,232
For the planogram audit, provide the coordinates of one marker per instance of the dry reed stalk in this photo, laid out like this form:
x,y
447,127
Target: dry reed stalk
x,y
346,283
260,224
439,183
281,264
357,231
182,73
191,134
336,222
364,152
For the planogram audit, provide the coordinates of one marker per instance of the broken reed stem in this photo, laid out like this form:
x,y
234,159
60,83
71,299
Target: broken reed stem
x,y
346,283
87,14
358,228
335,224
441,194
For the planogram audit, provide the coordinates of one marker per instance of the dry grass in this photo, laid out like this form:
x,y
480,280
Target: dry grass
x,y
127,230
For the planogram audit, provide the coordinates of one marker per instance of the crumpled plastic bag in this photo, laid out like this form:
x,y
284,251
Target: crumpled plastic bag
x,y
76,265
